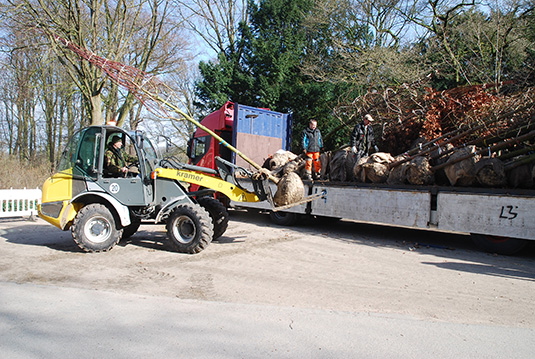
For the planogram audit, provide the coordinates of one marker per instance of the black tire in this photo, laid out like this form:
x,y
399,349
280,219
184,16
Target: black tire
x,y
499,245
190,228
218,213
94,228
129,230
283,218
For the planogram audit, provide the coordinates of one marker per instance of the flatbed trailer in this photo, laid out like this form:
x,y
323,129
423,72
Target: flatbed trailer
x,y
500,220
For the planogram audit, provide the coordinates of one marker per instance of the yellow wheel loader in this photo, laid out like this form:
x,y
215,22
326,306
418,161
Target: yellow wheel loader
x,y
100,207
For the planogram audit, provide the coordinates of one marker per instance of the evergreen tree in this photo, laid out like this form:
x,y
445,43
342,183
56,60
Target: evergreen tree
x,y
222,81
269,74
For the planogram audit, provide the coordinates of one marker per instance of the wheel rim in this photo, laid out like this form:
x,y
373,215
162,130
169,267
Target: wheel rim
x,y
184,229
98,229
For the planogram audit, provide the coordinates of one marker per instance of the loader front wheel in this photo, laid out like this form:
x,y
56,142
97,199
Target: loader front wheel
x,y
190,228
94,229
217,212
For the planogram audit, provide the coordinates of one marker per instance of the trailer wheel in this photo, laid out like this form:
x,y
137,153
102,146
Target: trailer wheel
x,y
94,229
218,213
190,228
283,218
500,245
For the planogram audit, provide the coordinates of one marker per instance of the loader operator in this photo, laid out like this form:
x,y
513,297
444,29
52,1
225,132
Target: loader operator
x,y
362,139
116,160
312,144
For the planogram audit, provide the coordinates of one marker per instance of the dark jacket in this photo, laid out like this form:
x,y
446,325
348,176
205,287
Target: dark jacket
x,y
311,140
362,138
115,159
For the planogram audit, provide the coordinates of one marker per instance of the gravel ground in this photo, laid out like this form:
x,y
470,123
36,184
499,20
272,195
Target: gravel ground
x,y
317,264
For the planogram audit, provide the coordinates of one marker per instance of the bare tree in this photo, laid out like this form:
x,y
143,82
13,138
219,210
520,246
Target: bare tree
x,y
178,132
478,40
436,16
56,96
382,17
184,82
19,97
8,110
358,41
216,22
113,29
165,52
494,45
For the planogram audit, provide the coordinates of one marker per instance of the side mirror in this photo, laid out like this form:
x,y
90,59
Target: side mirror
x,y
167,142
188,149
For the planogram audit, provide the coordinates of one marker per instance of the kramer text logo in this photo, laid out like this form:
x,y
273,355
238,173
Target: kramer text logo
x,y
190,176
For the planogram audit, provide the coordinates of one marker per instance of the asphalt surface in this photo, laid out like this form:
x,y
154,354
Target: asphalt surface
x,y
54,322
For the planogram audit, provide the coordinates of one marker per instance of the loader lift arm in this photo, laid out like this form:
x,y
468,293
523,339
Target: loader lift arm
x,y
223,180
205,180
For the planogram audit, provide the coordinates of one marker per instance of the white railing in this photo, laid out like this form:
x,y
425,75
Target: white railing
x,y
19,202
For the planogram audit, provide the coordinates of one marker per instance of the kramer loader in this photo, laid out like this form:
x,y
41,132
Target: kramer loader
x,y
100,209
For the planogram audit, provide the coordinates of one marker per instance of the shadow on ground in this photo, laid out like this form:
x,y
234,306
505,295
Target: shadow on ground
x,y
37,233
454,252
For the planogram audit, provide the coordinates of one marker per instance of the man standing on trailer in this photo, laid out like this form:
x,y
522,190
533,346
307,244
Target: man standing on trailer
x,y
311,143
362,139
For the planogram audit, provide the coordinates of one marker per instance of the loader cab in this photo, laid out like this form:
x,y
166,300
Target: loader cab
x,y
84,157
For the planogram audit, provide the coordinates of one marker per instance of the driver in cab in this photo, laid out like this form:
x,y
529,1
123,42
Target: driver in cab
x,y
116,160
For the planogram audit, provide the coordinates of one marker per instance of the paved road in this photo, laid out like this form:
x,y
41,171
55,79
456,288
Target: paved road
x,y
317,290
54,322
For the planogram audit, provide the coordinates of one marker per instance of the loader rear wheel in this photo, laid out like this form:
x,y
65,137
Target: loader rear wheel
x,y
94,229
190,228
217,212
499,245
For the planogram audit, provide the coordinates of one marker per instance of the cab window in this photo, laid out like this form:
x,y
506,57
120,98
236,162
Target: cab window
x,y
68,157
199,148
88,153
150,155
124,155
81,153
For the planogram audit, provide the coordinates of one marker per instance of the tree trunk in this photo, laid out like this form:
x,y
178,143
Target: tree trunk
x,y
96,110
